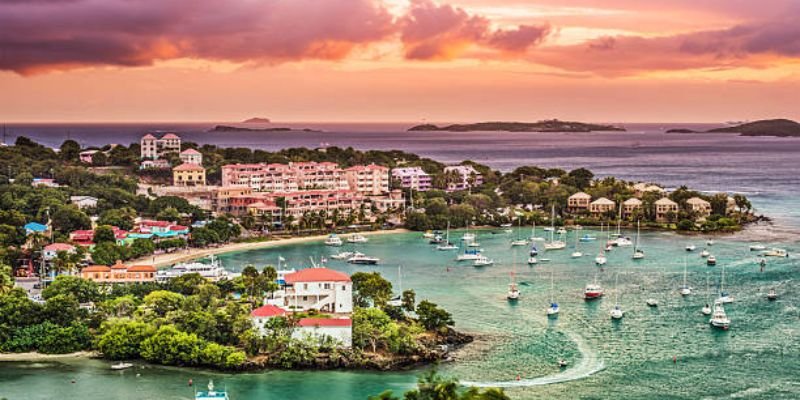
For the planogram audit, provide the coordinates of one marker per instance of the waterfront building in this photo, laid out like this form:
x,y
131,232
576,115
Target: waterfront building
x,y
297,203
191,156
601,206
119,273
664,206
699,206
50,251
85,237
339,329
369,180
413,178
465,177
321,289
287,177
578,202
83,201
153,148
630,206
221,196
189,175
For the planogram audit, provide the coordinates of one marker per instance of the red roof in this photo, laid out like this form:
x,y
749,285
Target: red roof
x,y
188,167
190,151
149,137
316,275
170,136
96,268
268,311
142,268
119,265
325,322
178,228
59,247
162,224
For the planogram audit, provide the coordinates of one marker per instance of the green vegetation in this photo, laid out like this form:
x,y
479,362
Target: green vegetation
x,y
432,386
552,125
767,127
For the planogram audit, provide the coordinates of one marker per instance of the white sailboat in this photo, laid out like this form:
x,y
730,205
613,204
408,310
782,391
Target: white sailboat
x,y
513,291
554,244
447,245
724,297
482,261
357,238
638,254
577,253
552,310
519,241
601,256
474,242
333,240
685,289
397,300
616,312
535,238
706,310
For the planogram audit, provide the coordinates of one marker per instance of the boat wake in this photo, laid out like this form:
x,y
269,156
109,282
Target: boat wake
x,y
589,364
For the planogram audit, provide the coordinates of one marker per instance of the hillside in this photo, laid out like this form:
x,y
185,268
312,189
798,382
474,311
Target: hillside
x,y
768,127
228,128
553,125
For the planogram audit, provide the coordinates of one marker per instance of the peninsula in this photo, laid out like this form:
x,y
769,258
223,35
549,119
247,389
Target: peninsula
x,y
767,127
256,120
229,128
552,125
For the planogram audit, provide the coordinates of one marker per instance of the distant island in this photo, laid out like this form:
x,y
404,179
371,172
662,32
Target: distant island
x,y
256,120
228,128
552,125
767,127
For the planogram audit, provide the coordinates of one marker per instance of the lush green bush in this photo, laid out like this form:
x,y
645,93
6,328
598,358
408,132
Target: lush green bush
x,y
122,338
48,338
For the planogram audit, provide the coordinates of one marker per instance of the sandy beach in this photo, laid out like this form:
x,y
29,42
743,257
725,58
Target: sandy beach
x,y
34,356
167,259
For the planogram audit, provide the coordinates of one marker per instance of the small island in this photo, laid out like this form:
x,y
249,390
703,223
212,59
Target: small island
x,y
256,120
229,128
552,125
768,127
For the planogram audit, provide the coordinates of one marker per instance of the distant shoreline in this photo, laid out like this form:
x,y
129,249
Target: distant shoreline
x,y
34,356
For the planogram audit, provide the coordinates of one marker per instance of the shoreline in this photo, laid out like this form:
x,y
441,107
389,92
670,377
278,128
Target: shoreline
x,y
35,356
168,259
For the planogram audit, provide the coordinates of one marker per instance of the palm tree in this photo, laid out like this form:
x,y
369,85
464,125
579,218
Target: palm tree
x,y
6,280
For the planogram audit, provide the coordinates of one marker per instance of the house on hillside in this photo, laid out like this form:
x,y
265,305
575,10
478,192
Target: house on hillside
x,y
320,289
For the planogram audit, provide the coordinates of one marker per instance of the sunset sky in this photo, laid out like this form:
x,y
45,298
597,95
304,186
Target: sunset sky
x,y
399,60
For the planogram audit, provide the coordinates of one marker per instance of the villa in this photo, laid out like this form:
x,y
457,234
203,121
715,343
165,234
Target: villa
x,y
469,177
700,206
413,178
339,329
641,188
85,237
83,201
601,206
320,289
296,203
188,174
191,156
578,202
630,206
665,206
50,251
119,273
153,148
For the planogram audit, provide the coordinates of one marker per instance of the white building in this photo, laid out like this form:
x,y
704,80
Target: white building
x,y
468,177
320,289
83,201
153,148
191,156
413,177
51,250
339,329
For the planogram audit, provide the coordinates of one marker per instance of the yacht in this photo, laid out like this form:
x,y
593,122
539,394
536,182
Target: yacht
x,y
706,310
593,291
638,253
468,255
719,319
342,255
554,244
711,261
691,247
600,259
213,271
447,247
121,365
685,289
705,253
513,292
757,247
482,261
211,394
468,237
333,240
724,297
772,295
775,252
553,309
362,259
577,253
532,260
623,242
357,238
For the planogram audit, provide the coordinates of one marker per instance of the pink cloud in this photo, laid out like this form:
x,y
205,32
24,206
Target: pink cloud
x,y
432,31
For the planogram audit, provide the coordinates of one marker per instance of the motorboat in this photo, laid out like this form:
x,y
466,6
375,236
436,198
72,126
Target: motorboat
x,y
468,237
706,310
691,247
562,363
725,298
552,311
776,252
772,295
623,242
561,231
436,240
211,394
121,365
428,235
600,259
617,313
711,261
719,319
362,259
468,255
333,240
357,238
342,255
576,254
651,302
757,247
555,245
482,261
532,260
447,247
513,292
705,253
213,271
519,242
587,238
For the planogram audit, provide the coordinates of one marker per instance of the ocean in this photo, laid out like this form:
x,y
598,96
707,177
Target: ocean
x,y
669,352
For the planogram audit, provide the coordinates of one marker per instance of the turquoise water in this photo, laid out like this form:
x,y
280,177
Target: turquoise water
x,y
629,359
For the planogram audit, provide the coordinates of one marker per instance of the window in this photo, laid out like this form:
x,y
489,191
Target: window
x,y
343,288
327,286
